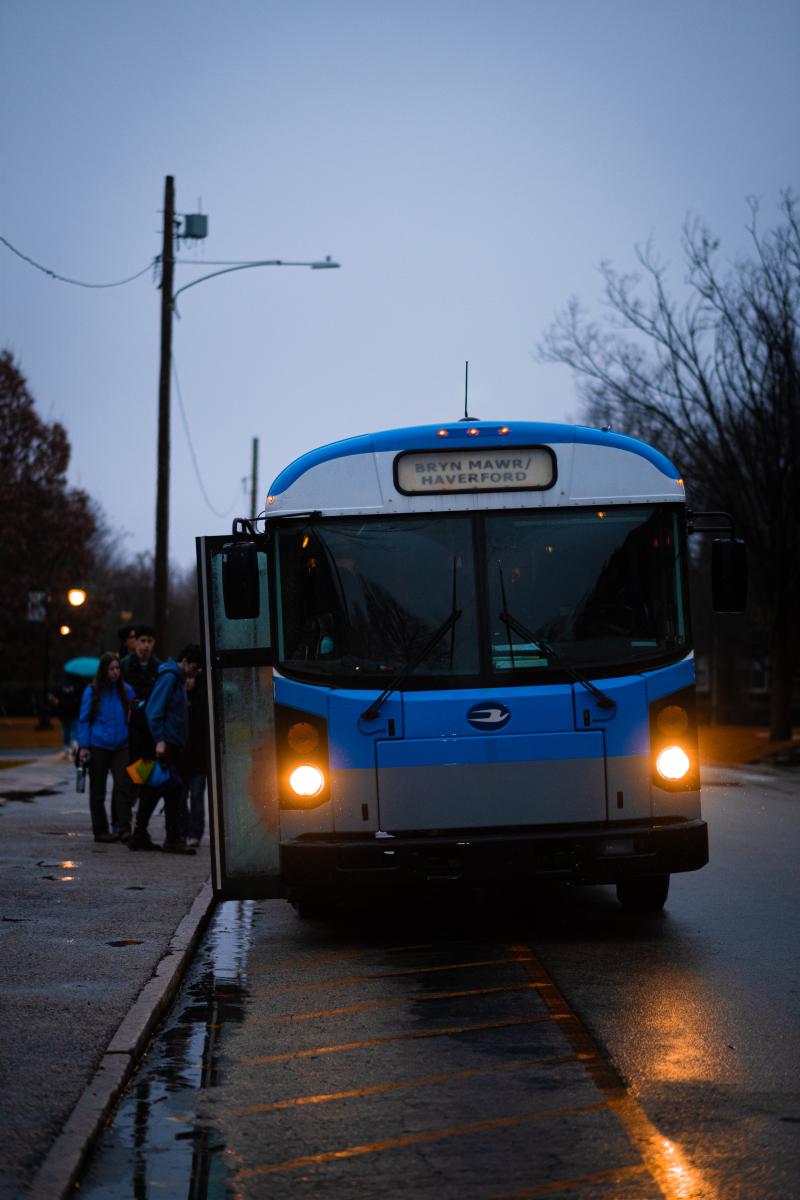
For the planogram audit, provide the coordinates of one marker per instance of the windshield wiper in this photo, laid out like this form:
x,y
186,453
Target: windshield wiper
x,y
517,627
514,626
369,714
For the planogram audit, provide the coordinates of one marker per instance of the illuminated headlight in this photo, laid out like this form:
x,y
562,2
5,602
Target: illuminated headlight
x,y
672,763
307,780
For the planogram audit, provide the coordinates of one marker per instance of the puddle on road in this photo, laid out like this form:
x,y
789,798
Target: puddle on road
x,y
26,796
155,1144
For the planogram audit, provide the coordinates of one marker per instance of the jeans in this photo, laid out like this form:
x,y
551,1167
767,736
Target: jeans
x,y
69,731
101,762
193,808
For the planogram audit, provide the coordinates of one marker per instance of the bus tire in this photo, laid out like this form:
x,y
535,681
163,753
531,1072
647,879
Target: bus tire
x,y
647,893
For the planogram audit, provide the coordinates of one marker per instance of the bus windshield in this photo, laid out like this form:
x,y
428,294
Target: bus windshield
x,y
537,591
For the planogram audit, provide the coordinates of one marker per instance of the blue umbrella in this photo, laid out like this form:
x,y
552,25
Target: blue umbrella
x,y
82,666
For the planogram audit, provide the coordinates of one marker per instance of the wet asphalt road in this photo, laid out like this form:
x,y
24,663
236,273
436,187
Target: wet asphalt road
x,y
562,1047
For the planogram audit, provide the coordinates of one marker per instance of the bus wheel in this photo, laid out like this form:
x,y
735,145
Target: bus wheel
x,y
648,893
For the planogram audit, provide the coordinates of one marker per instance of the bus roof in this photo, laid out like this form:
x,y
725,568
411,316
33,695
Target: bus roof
x,y
465,465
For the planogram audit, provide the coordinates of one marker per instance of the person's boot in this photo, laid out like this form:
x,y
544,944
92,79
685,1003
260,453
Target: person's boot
x,y
140,840
177,847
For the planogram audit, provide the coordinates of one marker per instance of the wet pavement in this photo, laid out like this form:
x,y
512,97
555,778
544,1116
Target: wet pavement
x,y
157,1143
557,1046
83,929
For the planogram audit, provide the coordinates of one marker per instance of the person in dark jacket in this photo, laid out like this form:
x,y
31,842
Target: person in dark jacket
x,y
195,755
140,669
103,743
127,640
67,703
168,719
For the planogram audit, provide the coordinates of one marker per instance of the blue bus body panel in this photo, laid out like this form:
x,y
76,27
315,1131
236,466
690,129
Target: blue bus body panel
x,y
558,758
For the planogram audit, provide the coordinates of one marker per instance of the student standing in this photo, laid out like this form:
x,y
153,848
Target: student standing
x,y
194,760
140,668
103,742
67,698
167,715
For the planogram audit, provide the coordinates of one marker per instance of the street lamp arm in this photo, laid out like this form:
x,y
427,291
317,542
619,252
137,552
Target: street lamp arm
x,y
324,264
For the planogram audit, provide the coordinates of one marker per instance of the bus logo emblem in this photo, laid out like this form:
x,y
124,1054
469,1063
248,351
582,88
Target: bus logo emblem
x,y
489,715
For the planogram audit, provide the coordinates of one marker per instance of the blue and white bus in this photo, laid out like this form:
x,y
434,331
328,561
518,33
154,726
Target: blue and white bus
x,y
457,654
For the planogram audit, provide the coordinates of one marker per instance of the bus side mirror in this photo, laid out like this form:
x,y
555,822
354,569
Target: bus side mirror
x,y
728,575
240,584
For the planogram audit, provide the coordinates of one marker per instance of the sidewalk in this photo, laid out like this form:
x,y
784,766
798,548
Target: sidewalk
x,y
93,939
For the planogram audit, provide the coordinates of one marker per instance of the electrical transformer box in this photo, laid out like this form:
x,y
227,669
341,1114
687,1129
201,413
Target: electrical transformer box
x,y
195,225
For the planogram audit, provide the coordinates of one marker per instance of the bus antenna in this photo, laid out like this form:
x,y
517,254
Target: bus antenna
x,y
466,416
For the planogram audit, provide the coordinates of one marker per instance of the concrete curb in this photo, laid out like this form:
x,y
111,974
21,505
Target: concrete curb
x,y
66,1157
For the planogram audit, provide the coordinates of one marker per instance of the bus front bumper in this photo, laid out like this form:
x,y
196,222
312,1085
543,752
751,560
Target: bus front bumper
x,y
585,854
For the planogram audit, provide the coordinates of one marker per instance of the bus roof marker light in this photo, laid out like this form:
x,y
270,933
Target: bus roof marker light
x,y
503,429
442,433
473,432
270,499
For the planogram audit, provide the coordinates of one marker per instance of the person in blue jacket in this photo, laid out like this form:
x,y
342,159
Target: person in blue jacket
x,y
167,714
103,743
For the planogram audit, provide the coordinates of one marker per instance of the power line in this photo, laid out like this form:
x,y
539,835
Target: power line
x,y
76,282
221,515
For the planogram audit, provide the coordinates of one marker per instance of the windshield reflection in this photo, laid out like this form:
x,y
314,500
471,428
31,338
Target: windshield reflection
x,y
598,590
363,598
599,587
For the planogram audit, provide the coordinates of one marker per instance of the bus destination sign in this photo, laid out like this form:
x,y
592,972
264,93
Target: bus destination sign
x,y
521,468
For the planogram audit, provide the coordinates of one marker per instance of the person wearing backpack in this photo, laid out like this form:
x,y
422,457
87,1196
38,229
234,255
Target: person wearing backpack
x,y
103,744
167,717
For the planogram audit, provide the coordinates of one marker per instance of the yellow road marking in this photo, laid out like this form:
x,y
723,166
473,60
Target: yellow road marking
x,y
375,1089
416,1139
393,1037
393,1002
669,1167
615,1175
293,964
349,980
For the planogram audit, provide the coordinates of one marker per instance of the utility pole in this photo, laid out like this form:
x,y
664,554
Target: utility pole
x,y
161,582
254,482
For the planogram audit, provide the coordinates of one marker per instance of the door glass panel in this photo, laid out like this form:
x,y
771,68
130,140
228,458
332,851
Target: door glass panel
x,y
246,748
248,634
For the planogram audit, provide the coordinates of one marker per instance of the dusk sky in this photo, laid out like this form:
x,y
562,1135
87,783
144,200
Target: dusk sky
x,y
468,162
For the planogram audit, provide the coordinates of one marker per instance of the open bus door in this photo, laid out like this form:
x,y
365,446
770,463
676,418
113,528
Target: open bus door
x,y
243,790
